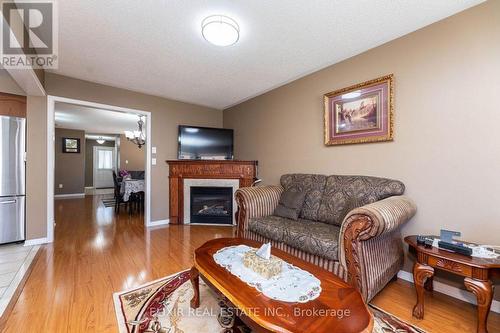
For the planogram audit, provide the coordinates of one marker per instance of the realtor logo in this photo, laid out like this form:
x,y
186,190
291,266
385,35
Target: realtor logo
x,y
29,35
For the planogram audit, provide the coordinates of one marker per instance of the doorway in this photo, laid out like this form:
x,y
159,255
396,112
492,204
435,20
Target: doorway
x,y
102,169
104,158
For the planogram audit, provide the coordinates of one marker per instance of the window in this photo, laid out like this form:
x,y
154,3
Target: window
x,y
105,159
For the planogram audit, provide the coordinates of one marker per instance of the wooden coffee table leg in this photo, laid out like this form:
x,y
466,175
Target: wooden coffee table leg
x,y
420,274
484,294
195,281
429,283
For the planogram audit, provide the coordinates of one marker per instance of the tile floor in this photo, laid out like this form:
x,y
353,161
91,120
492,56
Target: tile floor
x,y
15,261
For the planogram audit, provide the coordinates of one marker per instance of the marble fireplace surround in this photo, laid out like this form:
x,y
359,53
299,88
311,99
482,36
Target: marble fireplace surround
x,y
234,183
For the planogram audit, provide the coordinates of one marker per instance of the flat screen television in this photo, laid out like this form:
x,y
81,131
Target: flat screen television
x,y
205,143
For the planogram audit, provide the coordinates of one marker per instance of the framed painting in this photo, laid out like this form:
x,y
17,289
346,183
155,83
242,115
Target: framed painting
x,y
71,145
361,113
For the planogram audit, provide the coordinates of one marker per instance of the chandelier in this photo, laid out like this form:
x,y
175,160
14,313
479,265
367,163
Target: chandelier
x,y
137,137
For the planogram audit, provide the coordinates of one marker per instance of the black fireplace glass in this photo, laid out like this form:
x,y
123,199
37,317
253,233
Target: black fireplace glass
x,y
212,205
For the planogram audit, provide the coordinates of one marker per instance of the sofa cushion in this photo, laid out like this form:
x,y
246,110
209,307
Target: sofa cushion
x,y
313,237
344,193
272,227
290,204
312,185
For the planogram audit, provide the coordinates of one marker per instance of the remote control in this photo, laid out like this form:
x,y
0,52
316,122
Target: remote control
x,y
425,241
458,248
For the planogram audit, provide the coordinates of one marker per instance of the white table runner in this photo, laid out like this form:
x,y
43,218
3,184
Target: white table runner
x,y
292,285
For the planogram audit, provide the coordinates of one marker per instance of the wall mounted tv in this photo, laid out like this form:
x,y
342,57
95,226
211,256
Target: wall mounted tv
x,y
204,143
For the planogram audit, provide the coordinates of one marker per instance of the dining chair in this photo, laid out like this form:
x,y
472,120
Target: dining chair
x,y
118,196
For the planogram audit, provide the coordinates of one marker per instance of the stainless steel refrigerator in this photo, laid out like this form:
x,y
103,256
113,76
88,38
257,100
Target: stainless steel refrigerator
x,y
12,179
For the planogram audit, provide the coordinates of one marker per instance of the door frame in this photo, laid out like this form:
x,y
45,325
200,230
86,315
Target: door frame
x,y
51,100
94,169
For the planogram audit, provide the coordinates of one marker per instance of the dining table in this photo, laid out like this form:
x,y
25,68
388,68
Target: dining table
x,y
130,186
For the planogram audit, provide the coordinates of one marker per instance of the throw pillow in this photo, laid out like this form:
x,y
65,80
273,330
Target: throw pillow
x,y
290,204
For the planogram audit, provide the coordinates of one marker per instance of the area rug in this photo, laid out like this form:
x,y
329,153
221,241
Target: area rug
x,y
108,202
163,306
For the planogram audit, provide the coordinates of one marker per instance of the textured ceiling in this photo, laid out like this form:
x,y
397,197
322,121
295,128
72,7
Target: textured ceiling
x,y
95,121
155,46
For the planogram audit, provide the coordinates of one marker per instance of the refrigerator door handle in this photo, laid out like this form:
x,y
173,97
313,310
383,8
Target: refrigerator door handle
x,y
8,202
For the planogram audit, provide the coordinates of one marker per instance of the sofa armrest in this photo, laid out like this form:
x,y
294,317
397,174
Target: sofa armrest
x,y
384,216
379,220
255,202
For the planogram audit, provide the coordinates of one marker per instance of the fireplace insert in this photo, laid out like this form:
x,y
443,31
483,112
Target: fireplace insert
x,y
212,205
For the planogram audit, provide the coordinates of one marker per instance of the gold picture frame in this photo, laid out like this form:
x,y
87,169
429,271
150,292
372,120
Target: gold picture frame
x,y
361,113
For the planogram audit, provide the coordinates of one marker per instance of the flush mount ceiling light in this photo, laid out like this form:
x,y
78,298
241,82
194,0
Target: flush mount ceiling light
x,y
220,30
100,140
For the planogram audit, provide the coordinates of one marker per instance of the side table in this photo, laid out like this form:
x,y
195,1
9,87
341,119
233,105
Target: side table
x,y
478,273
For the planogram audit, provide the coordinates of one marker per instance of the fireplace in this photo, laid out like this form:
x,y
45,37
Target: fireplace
x,y
211,204
186,173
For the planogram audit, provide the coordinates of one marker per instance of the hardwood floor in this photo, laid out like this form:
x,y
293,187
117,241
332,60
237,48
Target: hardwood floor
x,y
95,254
443,314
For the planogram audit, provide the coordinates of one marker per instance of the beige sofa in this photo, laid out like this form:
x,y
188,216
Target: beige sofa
x,y
349,225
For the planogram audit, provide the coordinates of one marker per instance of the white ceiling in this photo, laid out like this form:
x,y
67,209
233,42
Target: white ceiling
x,y
98,136
95,121
156,47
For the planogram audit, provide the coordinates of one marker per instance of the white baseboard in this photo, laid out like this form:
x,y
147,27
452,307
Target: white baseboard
x,y
454,292
69,196
158,223
36,241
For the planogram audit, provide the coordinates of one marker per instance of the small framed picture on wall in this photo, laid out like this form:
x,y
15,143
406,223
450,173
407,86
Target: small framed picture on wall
x,y
71,145
361,113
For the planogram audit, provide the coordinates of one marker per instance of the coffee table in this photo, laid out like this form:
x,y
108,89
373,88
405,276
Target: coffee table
x,y
339,308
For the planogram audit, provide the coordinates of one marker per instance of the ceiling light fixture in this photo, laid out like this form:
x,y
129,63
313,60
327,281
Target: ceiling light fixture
x,y
100,140
137,137
220,30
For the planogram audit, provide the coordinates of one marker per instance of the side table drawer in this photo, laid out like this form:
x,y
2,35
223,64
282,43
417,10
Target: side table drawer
x,y
450,266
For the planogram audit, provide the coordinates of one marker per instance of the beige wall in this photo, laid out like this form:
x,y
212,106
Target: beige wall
x,y
36,167
131,157
166,116
446,148
69,167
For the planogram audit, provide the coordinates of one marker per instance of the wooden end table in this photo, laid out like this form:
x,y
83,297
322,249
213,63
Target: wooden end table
x,y
265,315
478,273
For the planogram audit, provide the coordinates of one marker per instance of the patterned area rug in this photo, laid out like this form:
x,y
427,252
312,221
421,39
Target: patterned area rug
x,y
163,306
108,202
